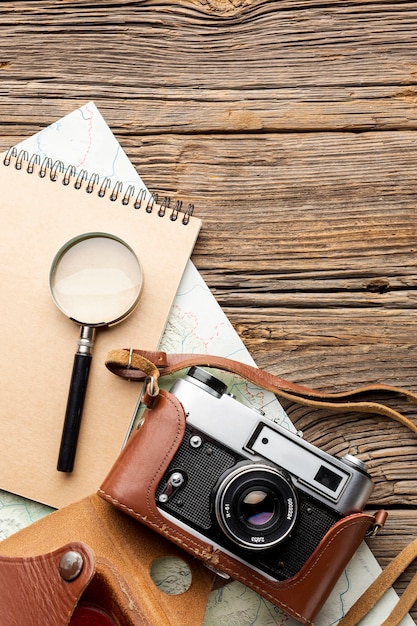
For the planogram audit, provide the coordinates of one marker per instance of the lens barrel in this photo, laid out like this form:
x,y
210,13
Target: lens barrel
x,y
255,505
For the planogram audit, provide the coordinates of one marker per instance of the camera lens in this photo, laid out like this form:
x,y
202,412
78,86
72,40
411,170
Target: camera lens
x,y
258,508
255,505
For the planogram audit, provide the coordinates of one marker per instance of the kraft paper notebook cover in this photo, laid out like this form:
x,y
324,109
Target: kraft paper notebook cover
x,y
39,213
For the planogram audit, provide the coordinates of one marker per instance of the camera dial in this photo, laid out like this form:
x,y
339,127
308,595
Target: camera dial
x,y
255,505
206,381
353,461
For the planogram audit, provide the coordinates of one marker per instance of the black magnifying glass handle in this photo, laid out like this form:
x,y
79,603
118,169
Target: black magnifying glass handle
x,y
75,402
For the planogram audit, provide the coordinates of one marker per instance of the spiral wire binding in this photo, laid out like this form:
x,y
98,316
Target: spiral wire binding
x,y
57,171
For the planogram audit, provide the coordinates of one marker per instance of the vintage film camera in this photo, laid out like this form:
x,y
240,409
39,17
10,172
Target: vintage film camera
x,y
245,484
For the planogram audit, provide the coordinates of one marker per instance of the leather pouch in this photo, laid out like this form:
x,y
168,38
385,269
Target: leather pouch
x,y
99,575
132,483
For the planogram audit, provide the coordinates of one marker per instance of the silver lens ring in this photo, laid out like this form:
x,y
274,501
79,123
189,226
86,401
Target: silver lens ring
x,y
256,506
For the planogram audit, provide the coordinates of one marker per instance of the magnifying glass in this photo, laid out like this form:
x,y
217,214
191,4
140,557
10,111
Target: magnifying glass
x,y
95,280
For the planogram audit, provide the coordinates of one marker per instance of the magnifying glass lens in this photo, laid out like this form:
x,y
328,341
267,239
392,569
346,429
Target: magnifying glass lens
x,y
96,281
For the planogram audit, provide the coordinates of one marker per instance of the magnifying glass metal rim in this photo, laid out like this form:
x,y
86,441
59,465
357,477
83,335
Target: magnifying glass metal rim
x,y
83,356
61,253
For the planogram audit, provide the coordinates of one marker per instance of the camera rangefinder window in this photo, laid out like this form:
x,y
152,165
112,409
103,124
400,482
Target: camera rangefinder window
x,y
250,487
328,478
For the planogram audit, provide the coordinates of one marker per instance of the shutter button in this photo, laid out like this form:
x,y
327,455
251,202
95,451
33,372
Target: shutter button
x,y
70,565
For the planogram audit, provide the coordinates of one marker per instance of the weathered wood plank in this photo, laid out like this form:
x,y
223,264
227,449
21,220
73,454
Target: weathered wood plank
x,y
306,218
269,66
194,110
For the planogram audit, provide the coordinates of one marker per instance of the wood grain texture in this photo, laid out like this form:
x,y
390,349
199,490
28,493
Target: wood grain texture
x,y
262,66
290,124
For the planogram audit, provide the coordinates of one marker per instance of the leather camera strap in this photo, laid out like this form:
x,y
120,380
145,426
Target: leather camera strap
x,y
140,365
148,366
380,585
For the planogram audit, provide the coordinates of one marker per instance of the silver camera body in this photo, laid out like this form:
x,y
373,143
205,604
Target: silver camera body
x,y
244,483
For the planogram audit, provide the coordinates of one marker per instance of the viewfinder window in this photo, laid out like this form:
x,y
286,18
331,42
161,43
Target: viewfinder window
x,y
327,478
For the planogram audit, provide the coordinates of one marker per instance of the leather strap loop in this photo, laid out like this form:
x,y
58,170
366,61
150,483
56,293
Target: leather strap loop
x,y
145,363
132,361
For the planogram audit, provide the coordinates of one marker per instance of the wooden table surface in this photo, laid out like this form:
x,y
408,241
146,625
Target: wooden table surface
x,y
292,128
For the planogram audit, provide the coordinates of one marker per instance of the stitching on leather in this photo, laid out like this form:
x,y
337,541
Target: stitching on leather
x,y
260,587
198,552
354,522
318,558
159,523
124,587
164,528
150,493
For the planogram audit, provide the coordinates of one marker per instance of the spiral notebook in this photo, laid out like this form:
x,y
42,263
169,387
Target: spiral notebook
x,y
42,206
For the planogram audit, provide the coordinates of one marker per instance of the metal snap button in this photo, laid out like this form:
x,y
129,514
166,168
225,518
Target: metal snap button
x,y
71,565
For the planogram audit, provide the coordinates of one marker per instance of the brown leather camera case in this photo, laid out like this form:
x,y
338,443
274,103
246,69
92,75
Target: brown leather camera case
x,y
117,556
133,481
